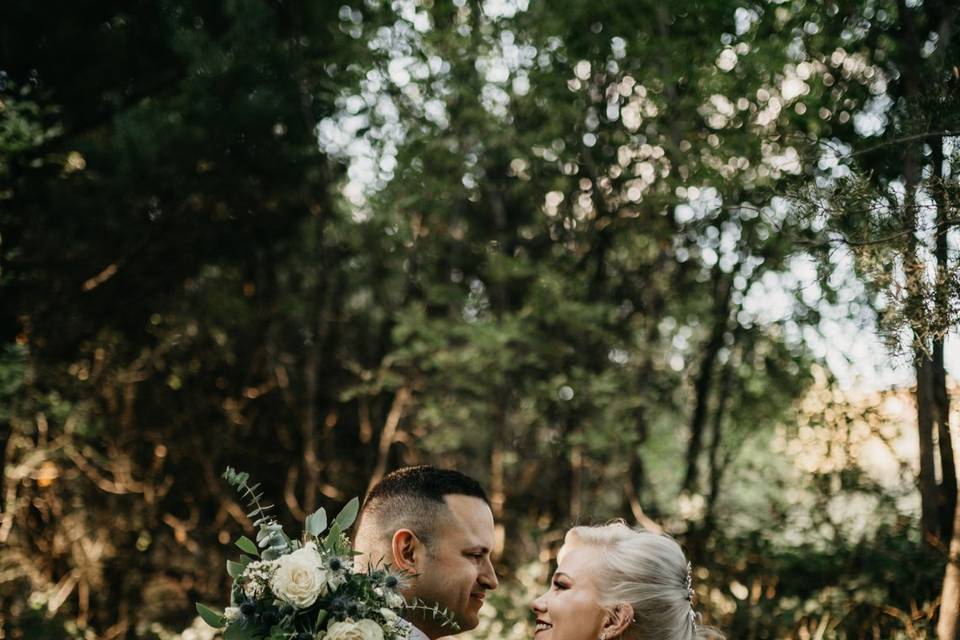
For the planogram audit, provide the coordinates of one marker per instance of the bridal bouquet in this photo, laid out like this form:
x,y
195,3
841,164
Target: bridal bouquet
x,y
305,589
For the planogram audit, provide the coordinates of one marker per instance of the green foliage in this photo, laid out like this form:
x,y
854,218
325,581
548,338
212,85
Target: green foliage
x,y
855,588
316,522
271,538
347,515
435,612
238,480
234,569
210,616
247,546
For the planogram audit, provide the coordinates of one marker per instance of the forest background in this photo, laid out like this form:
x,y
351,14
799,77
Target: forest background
x,y
693,264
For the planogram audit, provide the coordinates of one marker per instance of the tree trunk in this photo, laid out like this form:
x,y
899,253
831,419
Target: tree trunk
x,y
941,398
915,273
309,423
722,291
928,484
948,627
716,465
388,435
636,480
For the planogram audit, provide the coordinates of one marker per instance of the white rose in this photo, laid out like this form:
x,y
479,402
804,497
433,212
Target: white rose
x,y
231,614
299,579
371,630
348,630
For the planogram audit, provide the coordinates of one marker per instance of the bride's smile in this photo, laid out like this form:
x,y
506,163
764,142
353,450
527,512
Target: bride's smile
x,y
569,609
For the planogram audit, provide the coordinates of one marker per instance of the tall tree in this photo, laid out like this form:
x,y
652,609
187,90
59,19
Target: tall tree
x,y
895,217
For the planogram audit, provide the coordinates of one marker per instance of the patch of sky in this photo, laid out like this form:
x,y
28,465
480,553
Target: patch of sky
x,y
796,50
872,119
832,162
845,336
787,161
744,19
930,46
700,203
397,71
618,47
411,11
497,9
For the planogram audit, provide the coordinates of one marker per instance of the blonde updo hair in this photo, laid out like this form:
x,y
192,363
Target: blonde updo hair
x,y
648,571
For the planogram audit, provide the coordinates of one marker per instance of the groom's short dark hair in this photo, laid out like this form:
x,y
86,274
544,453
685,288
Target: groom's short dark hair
x,y
413,498
425,482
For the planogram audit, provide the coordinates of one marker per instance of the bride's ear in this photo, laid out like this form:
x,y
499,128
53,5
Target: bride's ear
x,y
406,550
617,621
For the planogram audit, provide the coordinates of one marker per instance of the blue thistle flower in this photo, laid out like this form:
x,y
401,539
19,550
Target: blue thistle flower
x,y
339,605
270,617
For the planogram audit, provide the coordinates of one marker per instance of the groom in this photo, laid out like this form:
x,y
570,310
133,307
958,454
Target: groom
x,y
436,525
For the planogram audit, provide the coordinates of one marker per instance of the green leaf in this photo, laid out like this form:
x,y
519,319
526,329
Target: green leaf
x,y
316,522
321,617
347,516
332,541
210,616
236,568
248,546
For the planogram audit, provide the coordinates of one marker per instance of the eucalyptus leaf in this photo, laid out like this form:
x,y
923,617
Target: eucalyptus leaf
x,y
348,514
316,522
332,541
210,616
248,546
234,569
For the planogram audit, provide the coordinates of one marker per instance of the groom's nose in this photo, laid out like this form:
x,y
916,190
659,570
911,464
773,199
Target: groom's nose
x,y
488,576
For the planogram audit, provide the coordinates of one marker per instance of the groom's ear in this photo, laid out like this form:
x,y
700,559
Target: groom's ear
x,y
406,550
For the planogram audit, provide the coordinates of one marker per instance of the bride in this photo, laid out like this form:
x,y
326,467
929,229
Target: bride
x,y
617,583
